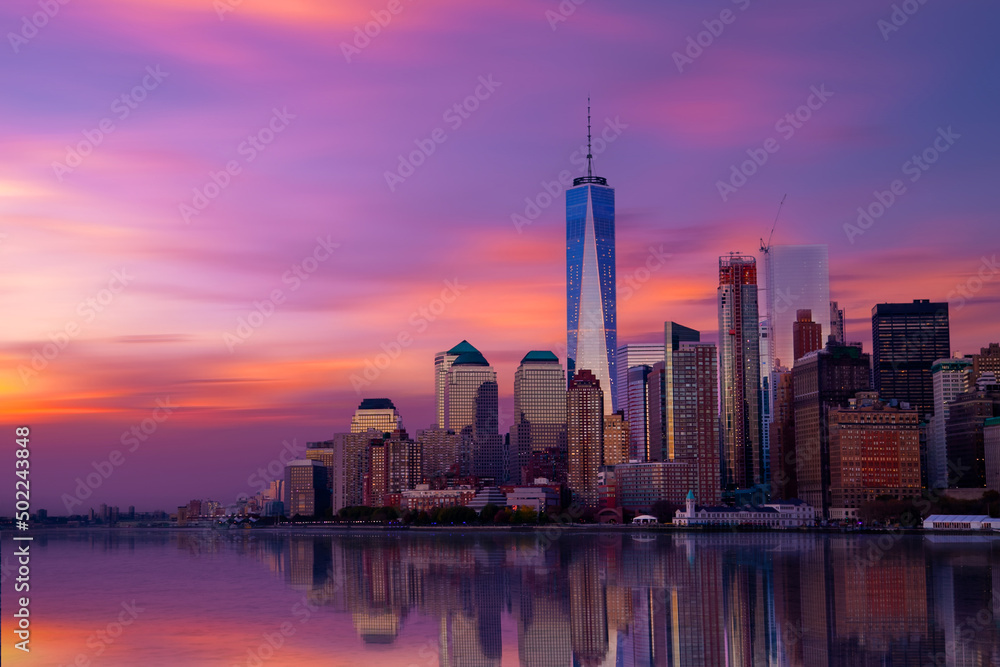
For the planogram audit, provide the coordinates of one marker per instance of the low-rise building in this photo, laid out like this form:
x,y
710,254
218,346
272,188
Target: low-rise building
x,y
960,522
789,514
874,451
538,498
425,499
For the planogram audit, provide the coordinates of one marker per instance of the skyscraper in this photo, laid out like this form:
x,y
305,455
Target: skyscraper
x,y
585,435
591,311
377,413
634,362
907,338
442,362
739,367
636,405
949,378
539,410
798,277
471,393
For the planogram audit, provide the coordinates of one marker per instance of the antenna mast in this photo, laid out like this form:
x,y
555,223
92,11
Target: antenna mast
x,y
590,155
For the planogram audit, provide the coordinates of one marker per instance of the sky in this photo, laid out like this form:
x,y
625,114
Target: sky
x,y
216,215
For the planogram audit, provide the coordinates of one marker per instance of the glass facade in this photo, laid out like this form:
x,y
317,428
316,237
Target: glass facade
x,y
739,367
591,313
634,362
798,277
907,338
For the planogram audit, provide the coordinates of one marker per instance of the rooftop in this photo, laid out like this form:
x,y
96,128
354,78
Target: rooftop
x,y
464,346
376,404
540,355
474,358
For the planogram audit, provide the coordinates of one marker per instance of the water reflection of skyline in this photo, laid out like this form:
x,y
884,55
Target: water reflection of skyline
x,y
602,600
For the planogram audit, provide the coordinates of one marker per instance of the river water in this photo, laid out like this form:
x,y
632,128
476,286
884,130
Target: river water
x,y
420,599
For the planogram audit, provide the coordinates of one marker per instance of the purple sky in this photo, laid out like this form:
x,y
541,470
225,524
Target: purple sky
x,y
93,183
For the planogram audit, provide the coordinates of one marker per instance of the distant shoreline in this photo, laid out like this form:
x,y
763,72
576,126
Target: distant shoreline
x,y
662,529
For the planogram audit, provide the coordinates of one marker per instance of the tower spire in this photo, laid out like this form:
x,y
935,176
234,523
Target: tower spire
x,y
590,155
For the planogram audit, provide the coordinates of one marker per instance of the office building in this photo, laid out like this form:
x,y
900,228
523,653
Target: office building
x,y
471,391
822,380
874,453
331,456
591,310
442,363
636,406
631,387
656,411
739,368
907,338
766,398
539,410
377,413
949,378
306,488
585,435
964,431
806,334
797,277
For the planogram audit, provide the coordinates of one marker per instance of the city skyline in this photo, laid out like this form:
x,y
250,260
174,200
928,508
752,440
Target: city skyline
x,y
233,303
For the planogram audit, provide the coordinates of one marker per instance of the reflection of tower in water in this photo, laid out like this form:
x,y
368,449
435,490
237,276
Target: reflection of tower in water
x,y
470,633
543,637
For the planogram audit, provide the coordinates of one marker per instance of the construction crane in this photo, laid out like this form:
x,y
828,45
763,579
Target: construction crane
x,y
767,248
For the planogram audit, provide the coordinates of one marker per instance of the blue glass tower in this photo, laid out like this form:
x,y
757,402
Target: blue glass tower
x,y
591,313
